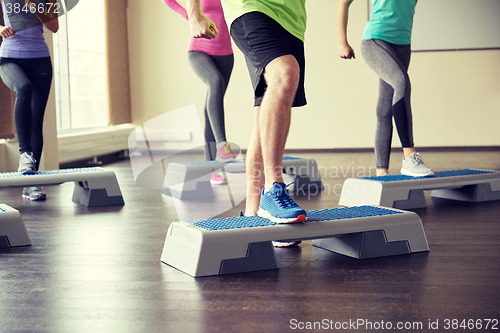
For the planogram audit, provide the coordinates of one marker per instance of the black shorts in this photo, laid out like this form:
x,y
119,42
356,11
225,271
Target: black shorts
x,y
262,39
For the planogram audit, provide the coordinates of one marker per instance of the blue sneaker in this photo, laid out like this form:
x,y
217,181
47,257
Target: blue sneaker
x,y
277,206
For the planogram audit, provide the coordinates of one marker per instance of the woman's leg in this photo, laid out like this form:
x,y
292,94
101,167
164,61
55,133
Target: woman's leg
x,y
15,78
30,79
390,62
205,67
225,66
383,132
41,79
210,149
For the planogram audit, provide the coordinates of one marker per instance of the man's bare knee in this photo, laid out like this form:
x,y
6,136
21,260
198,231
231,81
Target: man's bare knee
x,y
284,73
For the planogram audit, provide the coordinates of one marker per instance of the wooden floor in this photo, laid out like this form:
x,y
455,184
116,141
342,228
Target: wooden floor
x,y
99,269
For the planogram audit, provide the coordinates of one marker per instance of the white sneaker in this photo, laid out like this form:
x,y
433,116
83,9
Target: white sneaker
x,y
415,167
34,193
27,164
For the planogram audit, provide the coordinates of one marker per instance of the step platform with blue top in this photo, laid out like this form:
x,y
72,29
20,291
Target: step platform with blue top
x,y
244,244
12,229
406,192
189,180
93,186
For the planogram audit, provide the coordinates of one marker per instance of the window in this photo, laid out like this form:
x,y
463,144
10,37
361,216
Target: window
x,y
80,67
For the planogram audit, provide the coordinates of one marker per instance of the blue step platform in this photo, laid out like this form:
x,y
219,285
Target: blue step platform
x,y
244,244
93,186
405,192
191,180
12,230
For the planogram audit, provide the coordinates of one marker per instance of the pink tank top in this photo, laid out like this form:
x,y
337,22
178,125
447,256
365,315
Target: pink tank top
x,y
212,9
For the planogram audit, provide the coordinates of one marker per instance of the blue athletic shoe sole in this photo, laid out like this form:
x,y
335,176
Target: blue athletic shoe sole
x,y
27,172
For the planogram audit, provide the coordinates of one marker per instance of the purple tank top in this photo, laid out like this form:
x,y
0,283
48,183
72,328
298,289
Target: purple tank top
x,y
28,41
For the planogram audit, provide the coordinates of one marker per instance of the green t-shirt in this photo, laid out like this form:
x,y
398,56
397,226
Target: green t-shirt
x,y
391,20
290,14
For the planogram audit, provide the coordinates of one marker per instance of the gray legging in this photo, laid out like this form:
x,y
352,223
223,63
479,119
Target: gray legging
x,y
390,62
215,72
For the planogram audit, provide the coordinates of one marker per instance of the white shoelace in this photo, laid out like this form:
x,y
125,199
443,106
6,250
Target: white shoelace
x,y
416,158
28,158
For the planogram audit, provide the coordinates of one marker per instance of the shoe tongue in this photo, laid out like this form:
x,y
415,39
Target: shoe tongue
x,y
416,157
278,187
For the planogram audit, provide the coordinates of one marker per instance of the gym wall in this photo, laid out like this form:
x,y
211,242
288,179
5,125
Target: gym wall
x,y
455,94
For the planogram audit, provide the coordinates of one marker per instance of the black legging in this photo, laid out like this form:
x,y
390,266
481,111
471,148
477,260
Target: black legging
x,y
30,79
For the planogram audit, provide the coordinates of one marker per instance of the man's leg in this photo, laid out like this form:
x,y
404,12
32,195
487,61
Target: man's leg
x,y
254,167
282,77
272,122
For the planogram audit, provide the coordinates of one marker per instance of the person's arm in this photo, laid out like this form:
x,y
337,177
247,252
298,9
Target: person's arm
x,y
345,50
201,26
6,31
49,18
176,7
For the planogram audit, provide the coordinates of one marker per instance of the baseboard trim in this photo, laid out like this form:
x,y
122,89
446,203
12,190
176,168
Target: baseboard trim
x,y
79,145
119,155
